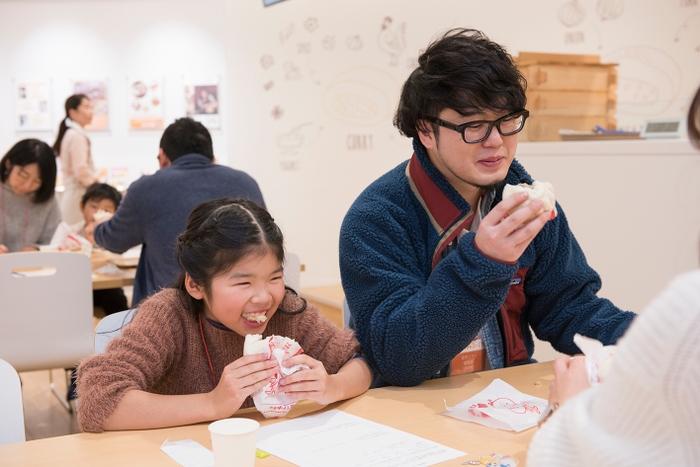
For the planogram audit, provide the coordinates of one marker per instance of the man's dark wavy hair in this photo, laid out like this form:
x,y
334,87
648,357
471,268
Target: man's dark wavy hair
x,y
465,71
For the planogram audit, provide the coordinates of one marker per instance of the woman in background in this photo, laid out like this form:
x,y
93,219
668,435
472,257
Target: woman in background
x,y
73,147
29,211
646,412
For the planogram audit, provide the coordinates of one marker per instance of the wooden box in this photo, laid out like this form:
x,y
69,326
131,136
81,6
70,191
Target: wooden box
x,y
565,91
546,127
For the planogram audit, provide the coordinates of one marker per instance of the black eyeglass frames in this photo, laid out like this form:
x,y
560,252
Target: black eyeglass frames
x,y
479,130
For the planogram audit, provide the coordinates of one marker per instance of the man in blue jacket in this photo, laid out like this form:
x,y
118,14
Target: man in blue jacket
x,y
432,263
155,209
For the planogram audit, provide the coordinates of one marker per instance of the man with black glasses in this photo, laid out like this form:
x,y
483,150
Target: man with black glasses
x,y
439,277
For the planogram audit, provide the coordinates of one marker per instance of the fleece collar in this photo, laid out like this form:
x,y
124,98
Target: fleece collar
x,y
448,211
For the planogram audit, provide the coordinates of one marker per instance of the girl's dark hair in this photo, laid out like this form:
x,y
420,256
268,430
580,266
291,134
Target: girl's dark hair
x,y
220,233
694,120
31,151
465,71
73,102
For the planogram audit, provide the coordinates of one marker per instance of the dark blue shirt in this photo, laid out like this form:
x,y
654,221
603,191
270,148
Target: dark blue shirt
x,y
155,210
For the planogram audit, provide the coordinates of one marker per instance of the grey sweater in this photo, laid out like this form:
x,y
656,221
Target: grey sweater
x,y
23,222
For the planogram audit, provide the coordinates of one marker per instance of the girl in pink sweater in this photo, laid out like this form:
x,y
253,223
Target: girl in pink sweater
x,y
180,360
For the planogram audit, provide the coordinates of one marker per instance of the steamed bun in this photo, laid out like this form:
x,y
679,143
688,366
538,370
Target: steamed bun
x,y
538,190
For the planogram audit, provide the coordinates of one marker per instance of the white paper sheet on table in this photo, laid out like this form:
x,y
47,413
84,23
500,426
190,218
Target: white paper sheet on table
x,y
188,453
500,406
342,440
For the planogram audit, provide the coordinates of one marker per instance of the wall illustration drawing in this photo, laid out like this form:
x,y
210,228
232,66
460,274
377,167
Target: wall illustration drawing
x,y
354,42
392,39
684,34
649,80
361,96
610,9
571,13
291,142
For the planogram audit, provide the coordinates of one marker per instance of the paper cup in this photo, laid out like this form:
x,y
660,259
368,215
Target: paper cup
x,y
233,442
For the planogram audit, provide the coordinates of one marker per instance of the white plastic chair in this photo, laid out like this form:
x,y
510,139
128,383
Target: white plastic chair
x,y
45,311
110,327
292,271
11,412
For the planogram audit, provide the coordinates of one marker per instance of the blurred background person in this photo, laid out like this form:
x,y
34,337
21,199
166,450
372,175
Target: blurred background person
x,y
72,146
646,410
30,213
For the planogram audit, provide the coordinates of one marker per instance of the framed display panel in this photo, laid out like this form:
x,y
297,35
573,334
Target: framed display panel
x,y
203,101
145,103
32,105
97,90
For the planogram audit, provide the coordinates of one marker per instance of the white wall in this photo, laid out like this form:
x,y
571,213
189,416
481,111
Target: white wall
x,y
300,57
313,87
111,39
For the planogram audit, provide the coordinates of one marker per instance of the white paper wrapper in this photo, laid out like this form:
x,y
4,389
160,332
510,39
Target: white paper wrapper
x,y
66,239
598,358
268,400
500,406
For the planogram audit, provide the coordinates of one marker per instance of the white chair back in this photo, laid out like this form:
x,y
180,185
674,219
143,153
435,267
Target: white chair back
x,y
292,271
11,412
45,309
110,327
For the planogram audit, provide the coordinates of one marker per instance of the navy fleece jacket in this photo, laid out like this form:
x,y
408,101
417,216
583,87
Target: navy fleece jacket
x,y
155,211
411,320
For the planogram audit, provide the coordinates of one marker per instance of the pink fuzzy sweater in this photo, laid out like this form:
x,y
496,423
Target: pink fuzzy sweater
x,y
161,352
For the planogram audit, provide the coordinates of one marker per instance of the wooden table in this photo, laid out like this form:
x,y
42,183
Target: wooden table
x,y
414,410
127,269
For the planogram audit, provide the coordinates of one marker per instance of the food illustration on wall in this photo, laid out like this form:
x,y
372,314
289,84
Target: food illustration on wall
x,y
96,91
392,39
145,110
362,96
32,109
571,13
610,9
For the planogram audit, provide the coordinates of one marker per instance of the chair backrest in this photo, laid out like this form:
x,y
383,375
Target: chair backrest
x,y
292,271
45,309
11,412
110,327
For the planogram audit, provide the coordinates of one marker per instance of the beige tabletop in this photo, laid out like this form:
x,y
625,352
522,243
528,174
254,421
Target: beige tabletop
x,y
414,410
127,270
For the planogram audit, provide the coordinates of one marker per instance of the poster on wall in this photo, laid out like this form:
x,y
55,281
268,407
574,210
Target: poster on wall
x,y
96,91
145,97
202,101
32,105
270,2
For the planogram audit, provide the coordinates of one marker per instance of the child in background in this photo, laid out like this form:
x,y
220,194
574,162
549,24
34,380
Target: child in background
x,y
100,198
180,361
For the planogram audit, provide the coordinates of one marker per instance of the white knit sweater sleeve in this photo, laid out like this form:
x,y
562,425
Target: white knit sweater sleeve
x,y
646,412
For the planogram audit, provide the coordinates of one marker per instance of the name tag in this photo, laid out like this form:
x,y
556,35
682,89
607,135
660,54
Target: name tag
x,y
472,358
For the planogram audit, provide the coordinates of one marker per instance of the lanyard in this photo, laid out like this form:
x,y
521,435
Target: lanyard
x,y
4,220
206,349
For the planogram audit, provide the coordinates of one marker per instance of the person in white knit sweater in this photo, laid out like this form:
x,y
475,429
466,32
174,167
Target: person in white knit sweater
x,y
646,412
